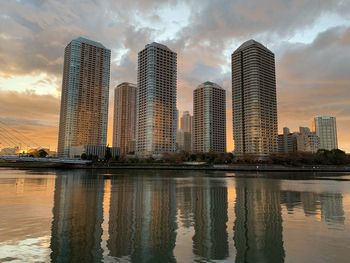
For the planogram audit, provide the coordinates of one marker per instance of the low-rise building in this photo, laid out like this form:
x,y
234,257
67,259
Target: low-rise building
x,y
98,151
302,141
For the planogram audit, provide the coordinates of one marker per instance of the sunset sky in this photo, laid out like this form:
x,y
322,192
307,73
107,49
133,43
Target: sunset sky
x,y
310,39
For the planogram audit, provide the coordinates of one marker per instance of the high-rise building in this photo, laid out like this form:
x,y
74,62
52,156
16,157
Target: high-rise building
x,y
209,118
186,122
156,99
184,141
326,129
254,100
184,134
84,99
124,126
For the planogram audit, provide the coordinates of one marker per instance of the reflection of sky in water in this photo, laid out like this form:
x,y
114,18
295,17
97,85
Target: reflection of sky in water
x,y
172,217
27,250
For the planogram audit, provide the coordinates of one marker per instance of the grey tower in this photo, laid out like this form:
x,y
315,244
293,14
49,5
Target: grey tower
x,y
156,99
254,100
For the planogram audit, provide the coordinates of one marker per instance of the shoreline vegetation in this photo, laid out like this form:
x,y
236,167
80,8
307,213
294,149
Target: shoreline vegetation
x,y
322,161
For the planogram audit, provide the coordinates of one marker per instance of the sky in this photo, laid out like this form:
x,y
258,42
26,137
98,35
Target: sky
x,y
310,39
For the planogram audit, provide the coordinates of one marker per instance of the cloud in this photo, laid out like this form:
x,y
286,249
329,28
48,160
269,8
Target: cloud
x,y
33,116
218,21
313,79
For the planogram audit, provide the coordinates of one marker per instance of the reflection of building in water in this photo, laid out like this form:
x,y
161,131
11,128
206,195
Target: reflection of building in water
x,y
291,199
77,218
142,221
258,225
332,208
184,203
329,205
310,202
121,218
163,224
210,240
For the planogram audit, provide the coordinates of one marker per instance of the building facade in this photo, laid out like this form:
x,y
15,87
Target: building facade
x,y
184,141
186,122
84,99
302,141
209,118
254,99
124,122
326,129
307,141
184,134
287,142
156,100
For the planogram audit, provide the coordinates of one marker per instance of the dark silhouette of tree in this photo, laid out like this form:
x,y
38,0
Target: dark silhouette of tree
x,y
83,156
108,154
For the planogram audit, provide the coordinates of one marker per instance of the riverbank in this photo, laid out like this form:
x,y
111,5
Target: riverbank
x,y
162,166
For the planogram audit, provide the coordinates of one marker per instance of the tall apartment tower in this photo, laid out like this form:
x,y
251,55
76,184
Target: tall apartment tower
x,y
156,99
325,128
209,118
186,122
124,126
254,100
184,134
84,99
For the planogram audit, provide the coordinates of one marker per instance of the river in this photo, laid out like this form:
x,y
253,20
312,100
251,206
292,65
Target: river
x,y
173,216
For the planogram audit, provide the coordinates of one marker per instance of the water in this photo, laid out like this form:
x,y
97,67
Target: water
x,y
172,216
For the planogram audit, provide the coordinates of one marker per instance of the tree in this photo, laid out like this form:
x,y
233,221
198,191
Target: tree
x,y
83,156
108,154
42,153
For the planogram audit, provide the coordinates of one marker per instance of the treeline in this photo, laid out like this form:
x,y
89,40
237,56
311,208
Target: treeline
x,y
41,153
322,157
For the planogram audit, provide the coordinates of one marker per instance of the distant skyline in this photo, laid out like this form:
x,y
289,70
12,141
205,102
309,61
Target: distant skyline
x,y
310,39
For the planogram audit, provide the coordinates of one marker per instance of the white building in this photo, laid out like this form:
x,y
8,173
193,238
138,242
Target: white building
x,y
326,129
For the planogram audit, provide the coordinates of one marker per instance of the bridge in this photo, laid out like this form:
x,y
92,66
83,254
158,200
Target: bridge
x,y
13,143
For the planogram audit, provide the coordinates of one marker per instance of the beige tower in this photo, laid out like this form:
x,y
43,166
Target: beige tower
x,y
84,99
156,99
209,118
184,134
186,122
254,100
124,126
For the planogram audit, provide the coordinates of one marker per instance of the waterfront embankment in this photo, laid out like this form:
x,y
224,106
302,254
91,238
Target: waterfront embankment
x,y
163,166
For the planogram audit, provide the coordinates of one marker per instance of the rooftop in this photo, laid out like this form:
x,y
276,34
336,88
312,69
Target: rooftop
x,y
209,84
126,84
89,42
249,43
155,44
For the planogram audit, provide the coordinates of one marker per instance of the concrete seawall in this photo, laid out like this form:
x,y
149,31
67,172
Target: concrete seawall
x,y
266,168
